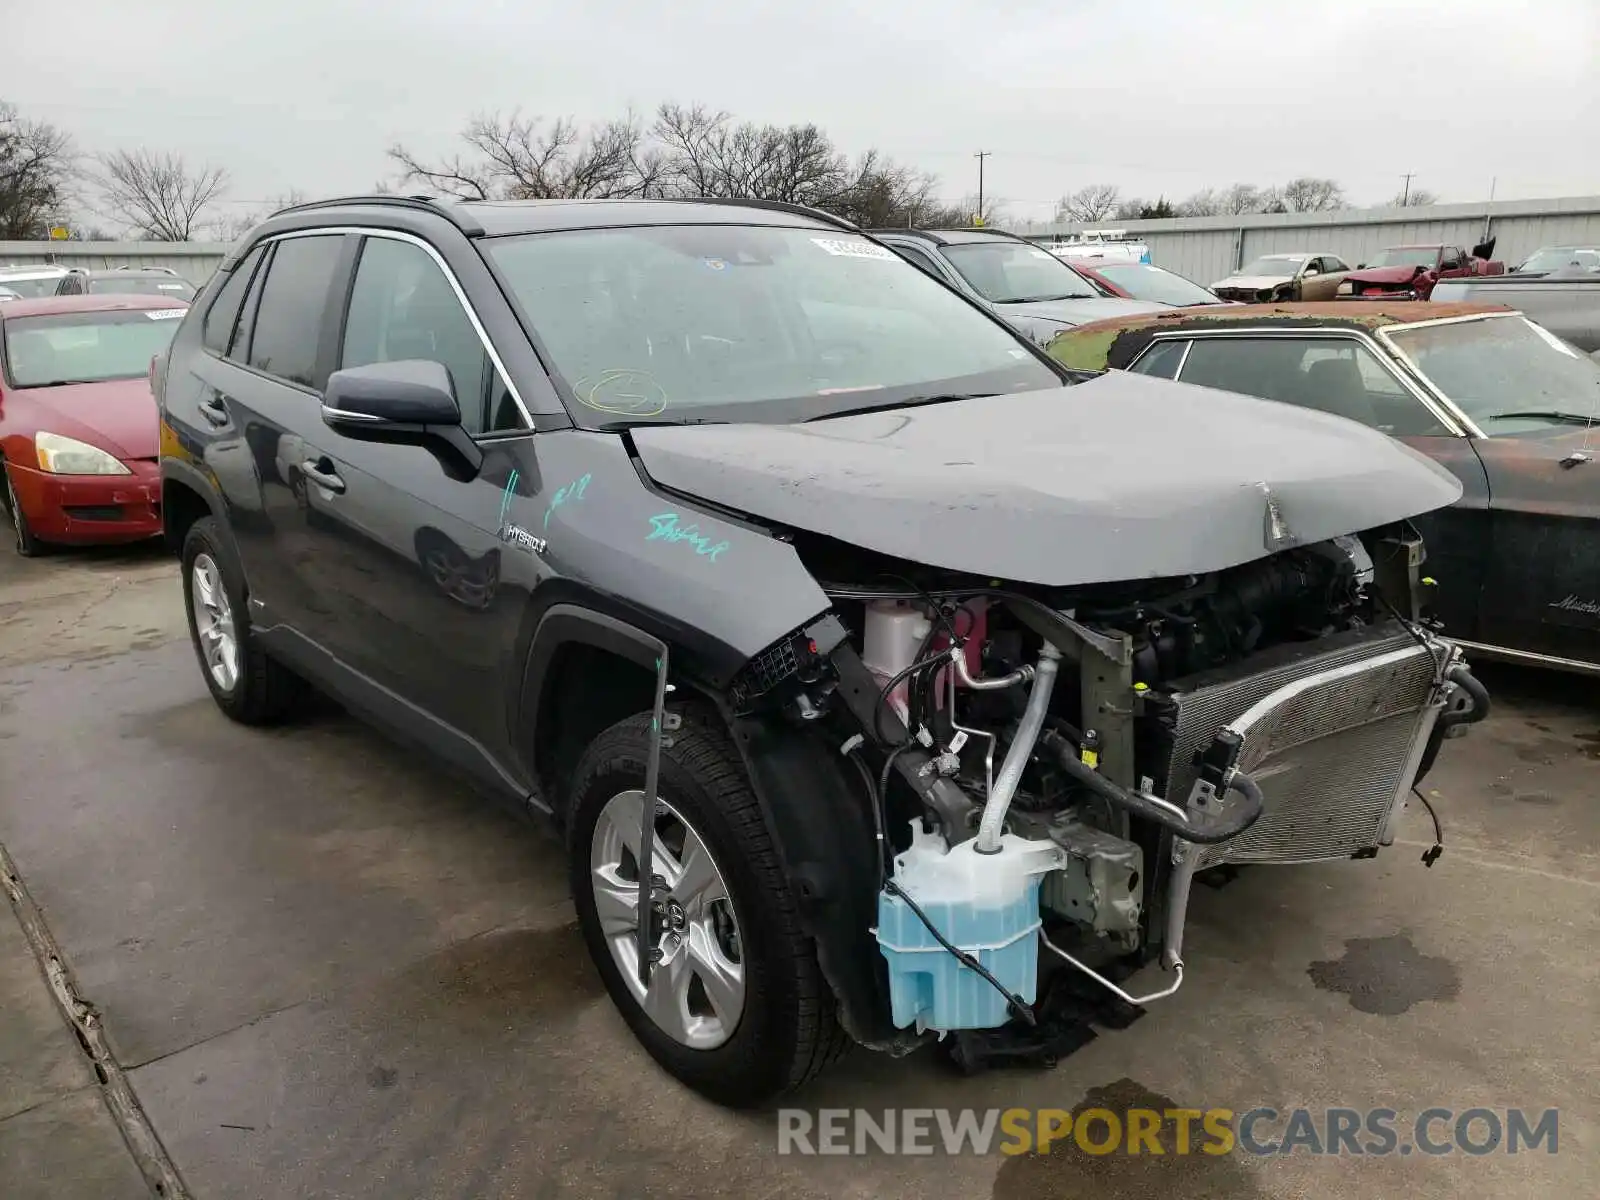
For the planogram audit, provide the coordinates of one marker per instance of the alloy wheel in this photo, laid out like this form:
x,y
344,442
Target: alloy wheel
x,y
213,622
696,993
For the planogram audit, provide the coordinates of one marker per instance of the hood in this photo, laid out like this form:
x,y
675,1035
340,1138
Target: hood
x,y
118,415
1250,282
1124,477
1386,274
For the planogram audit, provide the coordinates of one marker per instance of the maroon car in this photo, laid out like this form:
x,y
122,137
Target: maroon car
x,y
1143,281
1409,272
78,427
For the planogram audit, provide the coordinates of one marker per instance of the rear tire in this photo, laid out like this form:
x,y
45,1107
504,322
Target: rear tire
x,y
787,1030
27,545
248,685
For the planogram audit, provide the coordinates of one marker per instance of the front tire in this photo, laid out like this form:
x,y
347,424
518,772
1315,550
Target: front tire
x,y
27,545
247,684
737,1007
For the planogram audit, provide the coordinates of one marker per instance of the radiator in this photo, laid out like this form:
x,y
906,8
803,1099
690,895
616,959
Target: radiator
x,y
1333,738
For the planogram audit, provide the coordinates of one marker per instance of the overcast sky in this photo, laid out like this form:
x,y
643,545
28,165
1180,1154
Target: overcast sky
x,y
1158,96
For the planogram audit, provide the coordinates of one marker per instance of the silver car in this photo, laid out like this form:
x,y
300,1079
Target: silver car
x,y
1029,288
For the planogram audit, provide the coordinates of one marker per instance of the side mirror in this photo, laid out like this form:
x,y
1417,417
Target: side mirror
x,y
409,402
1361,266
1309,271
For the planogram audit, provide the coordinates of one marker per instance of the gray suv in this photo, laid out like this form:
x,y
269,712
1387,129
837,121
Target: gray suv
x,y
1026,286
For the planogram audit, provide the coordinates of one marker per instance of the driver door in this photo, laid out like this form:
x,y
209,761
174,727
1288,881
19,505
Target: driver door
x,y
1542,593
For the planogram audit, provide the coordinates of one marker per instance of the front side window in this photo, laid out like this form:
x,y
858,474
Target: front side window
x,y
1006,272
86,347
739,322
1506,373
288,321
1332,375
402,307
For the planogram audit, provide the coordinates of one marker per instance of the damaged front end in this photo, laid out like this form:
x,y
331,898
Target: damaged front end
x,y
1035,776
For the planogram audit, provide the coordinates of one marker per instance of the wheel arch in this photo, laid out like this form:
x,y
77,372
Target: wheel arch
x,y
186,496
587,669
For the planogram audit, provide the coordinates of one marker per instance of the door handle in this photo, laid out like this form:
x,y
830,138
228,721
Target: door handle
x,y
215,409
320,471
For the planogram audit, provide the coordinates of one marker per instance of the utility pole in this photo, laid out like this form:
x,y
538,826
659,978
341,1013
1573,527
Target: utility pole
x,y
1405,197
980,156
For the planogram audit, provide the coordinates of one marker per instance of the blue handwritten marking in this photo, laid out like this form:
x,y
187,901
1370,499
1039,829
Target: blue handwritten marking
x,y
573,491
664,528
505,497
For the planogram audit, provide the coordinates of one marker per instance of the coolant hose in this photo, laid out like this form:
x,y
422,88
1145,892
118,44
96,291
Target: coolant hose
x,y
1020,751
1461,675
1203,831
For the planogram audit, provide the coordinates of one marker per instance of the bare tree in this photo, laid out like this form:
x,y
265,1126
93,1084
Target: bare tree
x,y
522,158
1415,198
156,195
1093,202
37,163
1312,195
1204,203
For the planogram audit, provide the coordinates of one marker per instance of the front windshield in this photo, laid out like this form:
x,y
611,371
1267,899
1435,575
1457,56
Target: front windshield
x,y
142,285
1017,273
1405,256
1144,282
30,289
1274,265
748,323
1558,259
86,347
1506,373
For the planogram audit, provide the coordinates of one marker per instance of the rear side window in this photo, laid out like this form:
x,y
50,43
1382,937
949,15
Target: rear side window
x,y
223,314
1161,360
288,321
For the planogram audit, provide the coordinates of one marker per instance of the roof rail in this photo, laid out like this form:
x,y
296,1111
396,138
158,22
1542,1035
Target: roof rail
x,y
799,210
444,206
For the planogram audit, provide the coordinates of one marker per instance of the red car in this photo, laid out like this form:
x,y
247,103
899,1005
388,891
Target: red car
x,y
1409,272
1143,281
78,427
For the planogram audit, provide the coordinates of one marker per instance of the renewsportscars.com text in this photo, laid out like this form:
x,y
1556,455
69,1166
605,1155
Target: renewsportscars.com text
x,y
1178,1131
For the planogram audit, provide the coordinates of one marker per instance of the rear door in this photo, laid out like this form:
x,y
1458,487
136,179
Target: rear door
x,y
264,397
1345,375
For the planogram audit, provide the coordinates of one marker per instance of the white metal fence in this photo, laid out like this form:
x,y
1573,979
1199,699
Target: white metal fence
x,y
1208,248
195,261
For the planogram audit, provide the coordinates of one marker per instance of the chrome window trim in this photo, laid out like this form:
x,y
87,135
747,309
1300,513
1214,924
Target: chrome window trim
x,y
1456,423
395,235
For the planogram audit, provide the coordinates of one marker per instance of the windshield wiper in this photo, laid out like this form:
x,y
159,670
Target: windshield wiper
x,y
913,402
1546,414
1048,299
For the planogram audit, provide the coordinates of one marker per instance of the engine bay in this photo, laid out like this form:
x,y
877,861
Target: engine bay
x,y
1048,769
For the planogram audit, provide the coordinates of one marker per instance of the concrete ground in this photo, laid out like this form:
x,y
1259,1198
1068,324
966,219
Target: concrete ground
x,y
326,970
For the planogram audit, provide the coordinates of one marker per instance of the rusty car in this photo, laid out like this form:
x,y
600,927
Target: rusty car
x,y
1314,275
1505,405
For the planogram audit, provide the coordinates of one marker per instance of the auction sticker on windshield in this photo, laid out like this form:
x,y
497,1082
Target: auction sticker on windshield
x,y
165,314
852,249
